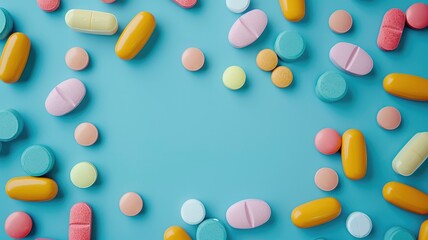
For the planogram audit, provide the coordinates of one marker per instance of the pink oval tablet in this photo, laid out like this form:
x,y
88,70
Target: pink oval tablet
x,y
247,214
326,179
77,58
193,59
186,3
351,58
248,28
48,5
18,225
389,118
340,21
328,141
108,1
86,134
80,225
131,204
391,29
417,16
65,97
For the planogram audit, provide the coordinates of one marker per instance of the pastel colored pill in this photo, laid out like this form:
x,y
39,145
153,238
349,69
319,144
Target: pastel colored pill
x,y
176,233
331,87
326,179
354,154
237,6
131,204
282,77
248,214
423,231
18,225
267,60
80,224
14,57
193,59
108,1
293,10
289,45
11,125
86,134
193,212
83,175
412,155
33,189
6,23
417,16
406,197
351,58
248,28
328,141
65,97
186,3
359,225
234,77
77,58
399,233
389,118
391,29
316,212
92,22
406,86
211,229
340,21
135,35
48,5
37,160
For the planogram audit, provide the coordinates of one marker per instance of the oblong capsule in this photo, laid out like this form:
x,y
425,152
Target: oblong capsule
x,y
423,231
176,233
92,22
293,10
35,189
135,35
412,155
406,86
14,57
354,154
316,212
406,197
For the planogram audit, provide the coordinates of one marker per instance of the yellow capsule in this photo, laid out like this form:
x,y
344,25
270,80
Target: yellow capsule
x,y
423,231
176,233
293,10
35,189
14,57
406,86
354,154
406,197
135,35
316,212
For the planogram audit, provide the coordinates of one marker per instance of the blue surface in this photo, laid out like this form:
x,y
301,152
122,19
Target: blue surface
x,y
171,135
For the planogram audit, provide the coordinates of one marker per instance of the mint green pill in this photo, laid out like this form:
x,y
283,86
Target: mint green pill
x,y
37,160
398,233
10,125
289,45
331,87
211,229
6,24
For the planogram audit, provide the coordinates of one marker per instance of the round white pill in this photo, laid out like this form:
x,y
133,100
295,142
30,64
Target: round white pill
x,y
237,6
359,224
193,212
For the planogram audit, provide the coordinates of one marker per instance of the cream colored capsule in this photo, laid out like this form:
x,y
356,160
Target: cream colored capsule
x,y
412,155
92,22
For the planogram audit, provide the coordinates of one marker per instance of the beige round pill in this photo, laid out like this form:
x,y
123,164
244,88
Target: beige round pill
x,y
86,134
77,58
83,175
267,60
234,77
282,77
131,204
193,59
340,21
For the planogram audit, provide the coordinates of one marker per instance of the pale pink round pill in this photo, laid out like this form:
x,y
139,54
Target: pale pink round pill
x,y
77,58
340,21
389,118
48,5
131,204
193,59
328,141
18,225
326,179
108,1
86,134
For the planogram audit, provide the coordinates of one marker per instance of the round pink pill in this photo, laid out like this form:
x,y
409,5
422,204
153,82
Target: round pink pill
x,y
326,179
48,5
18,225
340,21
131,204
193,59
328,141
77,58
389,118
108,1
86,134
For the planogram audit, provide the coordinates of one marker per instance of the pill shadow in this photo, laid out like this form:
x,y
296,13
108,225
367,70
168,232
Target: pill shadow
x,y
203,70
94,225
150,45
26,75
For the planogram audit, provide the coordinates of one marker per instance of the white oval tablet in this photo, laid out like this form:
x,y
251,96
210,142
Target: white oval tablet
x,y
237,6
193,212
359,224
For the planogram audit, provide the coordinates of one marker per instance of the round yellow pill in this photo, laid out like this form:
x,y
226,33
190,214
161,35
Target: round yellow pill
x,y
234,77
83,175
267,60
282,77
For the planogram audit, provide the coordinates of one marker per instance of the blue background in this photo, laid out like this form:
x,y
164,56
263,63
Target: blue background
x,y
171,135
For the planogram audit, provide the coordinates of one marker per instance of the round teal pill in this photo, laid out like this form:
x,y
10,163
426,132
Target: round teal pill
x,y
6,24
398,233
289,45
211,229
331,87
10,125
37,160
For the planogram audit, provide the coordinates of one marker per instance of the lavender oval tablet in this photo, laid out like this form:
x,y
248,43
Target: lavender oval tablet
x,y
351,58
65,97
248,28
247,214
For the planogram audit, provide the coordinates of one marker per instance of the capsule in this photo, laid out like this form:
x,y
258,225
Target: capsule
x,y
412,155
316,212
34,189
135,35
176,233
14,57
354,154
92,22
423,231
406,86
406,197
293,10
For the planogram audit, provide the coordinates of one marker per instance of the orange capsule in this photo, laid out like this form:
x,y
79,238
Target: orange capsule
x,y
34,189
14,57
406,197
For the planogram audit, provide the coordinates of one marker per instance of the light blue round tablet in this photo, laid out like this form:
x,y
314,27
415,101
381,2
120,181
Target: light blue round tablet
x,y
37,160
398,233
331,87
10,125
289,45
6,23
211,229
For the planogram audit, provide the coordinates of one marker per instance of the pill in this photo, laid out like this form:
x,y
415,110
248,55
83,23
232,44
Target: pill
x,y
248,28
135,35
18,225
37,160
80,225
186,3
412,155
92,22
237,6
86,134
267,60
417,16
423,231
211,229
340,21
331,87
77,58
14,57
248,214
48,5
316,212
33,189
131,204
389,118
83,175
328,141
282,77
359,225
326,179
6,23
406,86
289,45
406,197
108,1
399,233
293,10
176,233
11,125
391,29
234,77
351,58
354,154
193,59
65,97
193,212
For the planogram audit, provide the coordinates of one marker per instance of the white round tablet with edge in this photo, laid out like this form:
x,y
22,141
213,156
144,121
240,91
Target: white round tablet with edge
x,y
193,212
237,6
359,224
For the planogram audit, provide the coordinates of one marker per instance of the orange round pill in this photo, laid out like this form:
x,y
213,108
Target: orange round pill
x,y
389,118
86,134
131,204
326,179
77,58
340,21
282,77
193,59
267,60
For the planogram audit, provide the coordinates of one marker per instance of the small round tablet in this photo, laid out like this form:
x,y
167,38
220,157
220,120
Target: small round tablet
x,y
37,160
211,229
359,224
282,77
237,6
86,134
77,58
6,24
11,125
48,5
131,204
326,179
398,233
18,225
193,212
83,175
267,60
108,1
389,118
331,87
234,77
340,21
328,141
193,59
289,45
